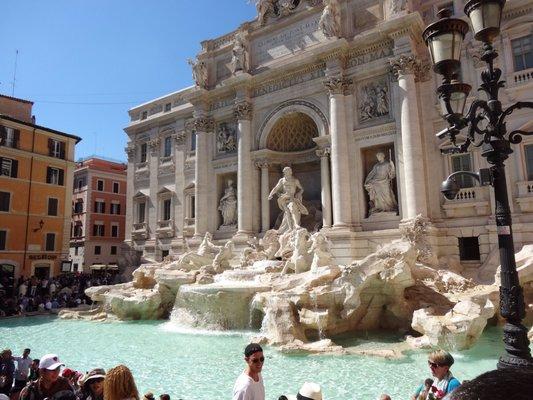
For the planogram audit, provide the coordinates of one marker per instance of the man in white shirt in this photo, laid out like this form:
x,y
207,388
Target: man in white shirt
x,y
22,371
249,384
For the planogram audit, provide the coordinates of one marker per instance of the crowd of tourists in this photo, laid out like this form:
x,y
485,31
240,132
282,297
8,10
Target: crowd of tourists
x,y
24,378
34,294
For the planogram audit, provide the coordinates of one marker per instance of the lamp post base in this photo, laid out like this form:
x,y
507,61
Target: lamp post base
x,y
516,347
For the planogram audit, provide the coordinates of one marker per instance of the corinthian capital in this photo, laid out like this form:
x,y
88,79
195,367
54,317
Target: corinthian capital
x,y
130,151
338,85
204,124
325,152
409,65
243,110
154,144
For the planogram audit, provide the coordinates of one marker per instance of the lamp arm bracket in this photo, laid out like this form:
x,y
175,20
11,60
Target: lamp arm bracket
x,y
474,175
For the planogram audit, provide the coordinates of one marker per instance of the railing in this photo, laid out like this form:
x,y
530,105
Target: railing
x,y
521,77
525,188
165,160
140,226
471,194
165,223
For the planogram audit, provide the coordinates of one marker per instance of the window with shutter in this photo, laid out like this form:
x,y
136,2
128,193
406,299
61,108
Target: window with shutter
x,y
114,231
3,240
5,199
97,250
113,250
52,206
61,178
3,134
5,166
50,241
62,150
50,147
14,168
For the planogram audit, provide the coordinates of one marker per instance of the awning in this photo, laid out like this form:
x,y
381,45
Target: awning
x,y
99,267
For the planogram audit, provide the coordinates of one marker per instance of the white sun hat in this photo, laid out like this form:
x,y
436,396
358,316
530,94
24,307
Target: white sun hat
x,y
50,362
308,391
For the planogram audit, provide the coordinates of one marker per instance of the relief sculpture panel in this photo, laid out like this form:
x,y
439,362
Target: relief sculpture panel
x,y
373,100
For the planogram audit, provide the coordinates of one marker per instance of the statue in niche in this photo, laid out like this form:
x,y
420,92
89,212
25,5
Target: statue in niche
x,y
199,72
378,184
265,8
226,139
228,205
374,101
290,196
330,20
396,6
239,54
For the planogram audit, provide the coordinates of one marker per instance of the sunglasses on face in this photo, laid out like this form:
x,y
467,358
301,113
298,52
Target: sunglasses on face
x,y
257,360
434,365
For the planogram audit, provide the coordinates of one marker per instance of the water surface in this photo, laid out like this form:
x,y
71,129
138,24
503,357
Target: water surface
x,y
204,365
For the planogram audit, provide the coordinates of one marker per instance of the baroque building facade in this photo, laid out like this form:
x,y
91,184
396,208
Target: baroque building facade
x,y
341,92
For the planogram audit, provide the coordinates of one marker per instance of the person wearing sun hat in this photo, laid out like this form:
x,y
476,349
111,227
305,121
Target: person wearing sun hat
x,y
50,384
308,391
92,385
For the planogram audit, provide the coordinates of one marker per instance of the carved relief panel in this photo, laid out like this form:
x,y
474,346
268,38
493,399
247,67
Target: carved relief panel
x,y
373,101
226,138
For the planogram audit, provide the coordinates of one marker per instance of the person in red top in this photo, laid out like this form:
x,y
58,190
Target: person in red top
x,y
49,385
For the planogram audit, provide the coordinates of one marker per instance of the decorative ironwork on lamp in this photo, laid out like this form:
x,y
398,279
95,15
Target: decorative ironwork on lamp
x,y
486,128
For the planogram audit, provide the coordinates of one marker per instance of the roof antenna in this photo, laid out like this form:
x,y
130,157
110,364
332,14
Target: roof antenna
x,y
15,74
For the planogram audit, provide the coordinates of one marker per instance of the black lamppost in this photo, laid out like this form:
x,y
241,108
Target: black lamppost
x,y
486,128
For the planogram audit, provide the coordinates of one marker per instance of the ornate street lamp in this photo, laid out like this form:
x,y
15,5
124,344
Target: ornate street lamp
x,y
486,128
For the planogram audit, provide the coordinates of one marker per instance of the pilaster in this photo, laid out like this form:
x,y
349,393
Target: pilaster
x,y
203,126
243,113
152,206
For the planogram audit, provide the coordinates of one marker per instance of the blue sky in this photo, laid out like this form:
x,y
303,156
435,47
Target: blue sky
x,y
86,62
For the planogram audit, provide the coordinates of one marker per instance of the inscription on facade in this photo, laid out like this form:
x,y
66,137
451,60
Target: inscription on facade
x,y
290,41
289,81
360,59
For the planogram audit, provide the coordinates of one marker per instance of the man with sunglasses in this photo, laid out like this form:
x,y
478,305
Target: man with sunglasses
x,y
49,385
249,385
440,362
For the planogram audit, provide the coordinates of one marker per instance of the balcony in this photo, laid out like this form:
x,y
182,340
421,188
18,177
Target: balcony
x,y
165,229
142,171
525,196
469,202
140,231
521,78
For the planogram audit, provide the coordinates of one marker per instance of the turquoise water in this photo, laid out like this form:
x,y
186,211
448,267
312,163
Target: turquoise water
x,y
192,365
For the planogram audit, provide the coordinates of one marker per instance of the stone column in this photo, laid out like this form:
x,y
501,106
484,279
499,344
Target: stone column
x,y
179,182
265,190
325,186
151,210
407,68
340,166
131,151
243,113
203,127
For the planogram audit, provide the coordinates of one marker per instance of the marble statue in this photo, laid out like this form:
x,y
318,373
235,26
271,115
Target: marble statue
x,y
203,256
239,54
286,7
299,260
378,184
321,251
226,139
330,20
374,101
199,72
264,9
228,205
223,257
290,192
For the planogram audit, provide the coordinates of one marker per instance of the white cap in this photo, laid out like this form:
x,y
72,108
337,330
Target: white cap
x,y
50,362
308,391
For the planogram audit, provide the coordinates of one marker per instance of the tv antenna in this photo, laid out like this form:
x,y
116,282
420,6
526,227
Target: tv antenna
x,y
14,74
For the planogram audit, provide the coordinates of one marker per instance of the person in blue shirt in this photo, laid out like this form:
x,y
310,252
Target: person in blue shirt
x,y
423,390
440,362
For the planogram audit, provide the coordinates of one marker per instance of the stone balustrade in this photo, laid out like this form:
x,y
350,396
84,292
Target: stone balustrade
x,y
140,231
521,77
165,228
472,201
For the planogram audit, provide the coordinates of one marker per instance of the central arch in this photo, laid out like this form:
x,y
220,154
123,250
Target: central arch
x,y
292,132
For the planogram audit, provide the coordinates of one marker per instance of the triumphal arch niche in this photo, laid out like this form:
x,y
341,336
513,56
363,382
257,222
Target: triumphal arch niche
x,y
338,90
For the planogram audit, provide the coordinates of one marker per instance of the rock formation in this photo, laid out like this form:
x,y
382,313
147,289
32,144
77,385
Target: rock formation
x,y
288,287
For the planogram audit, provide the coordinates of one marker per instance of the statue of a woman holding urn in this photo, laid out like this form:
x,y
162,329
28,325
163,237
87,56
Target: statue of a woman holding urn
x,y
378,184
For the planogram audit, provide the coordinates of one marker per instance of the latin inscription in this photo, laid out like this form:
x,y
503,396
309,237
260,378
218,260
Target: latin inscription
x,y
290,41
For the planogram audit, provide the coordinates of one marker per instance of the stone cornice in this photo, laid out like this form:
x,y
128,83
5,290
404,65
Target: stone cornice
x,y
515,9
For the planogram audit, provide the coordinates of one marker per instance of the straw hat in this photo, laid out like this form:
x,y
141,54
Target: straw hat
x,y
308,391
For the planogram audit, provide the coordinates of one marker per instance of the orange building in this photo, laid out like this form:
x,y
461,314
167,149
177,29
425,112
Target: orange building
x,y
99,214
36,171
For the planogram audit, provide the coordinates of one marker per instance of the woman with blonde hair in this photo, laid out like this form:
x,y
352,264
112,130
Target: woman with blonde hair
x,y
120,385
